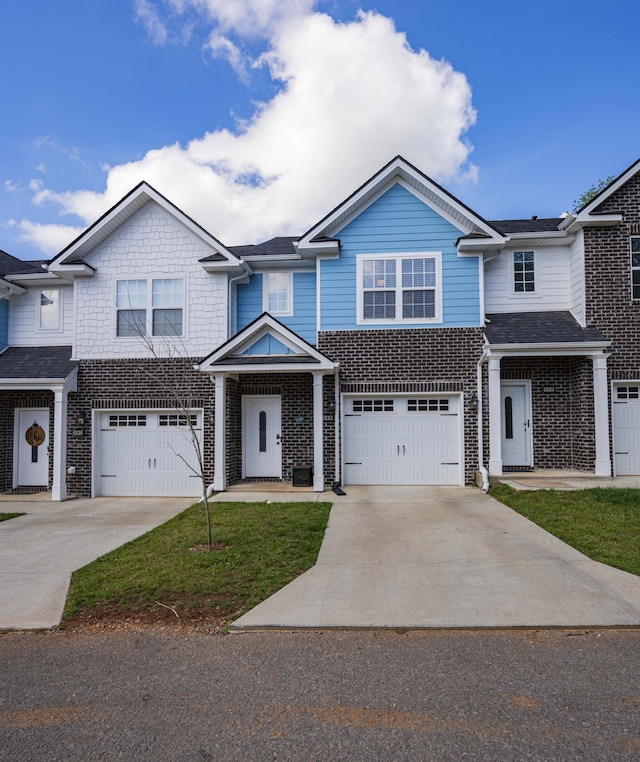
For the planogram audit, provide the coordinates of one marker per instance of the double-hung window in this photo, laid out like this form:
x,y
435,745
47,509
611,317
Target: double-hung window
x,y
278,293
523,272
399,288
49,309
150,307
635,267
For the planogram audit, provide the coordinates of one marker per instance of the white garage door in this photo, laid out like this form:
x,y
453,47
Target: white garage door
x,y
402,440
142,452
626,429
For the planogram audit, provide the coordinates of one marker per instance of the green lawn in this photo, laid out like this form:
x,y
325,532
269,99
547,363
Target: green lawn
x,y
7,516
259,548
602,523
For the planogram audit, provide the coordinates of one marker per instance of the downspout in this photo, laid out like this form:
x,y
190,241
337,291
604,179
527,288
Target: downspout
x,y
231,325
483,471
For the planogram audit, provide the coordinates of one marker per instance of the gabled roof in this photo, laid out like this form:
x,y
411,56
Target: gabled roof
x,y
544,328
279,247
297,354
321,237
589,216
9,265
72,257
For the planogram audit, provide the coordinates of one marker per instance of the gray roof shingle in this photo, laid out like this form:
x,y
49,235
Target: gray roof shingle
x,y
36,362
538,328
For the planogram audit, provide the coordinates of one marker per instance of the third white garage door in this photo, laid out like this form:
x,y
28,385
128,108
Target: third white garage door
x,y
143,452
402,440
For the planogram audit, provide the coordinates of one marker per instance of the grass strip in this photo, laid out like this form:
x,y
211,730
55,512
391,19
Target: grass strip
x,y
7,516
602,523
260,547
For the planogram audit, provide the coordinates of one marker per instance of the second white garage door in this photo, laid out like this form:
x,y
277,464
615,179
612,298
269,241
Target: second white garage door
x,y
143,452
402,440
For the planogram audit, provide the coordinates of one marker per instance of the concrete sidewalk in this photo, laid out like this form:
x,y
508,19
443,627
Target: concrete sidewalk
x,y
419,557
39,551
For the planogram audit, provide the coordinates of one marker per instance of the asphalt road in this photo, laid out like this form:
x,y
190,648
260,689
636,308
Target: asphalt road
x,y
487,695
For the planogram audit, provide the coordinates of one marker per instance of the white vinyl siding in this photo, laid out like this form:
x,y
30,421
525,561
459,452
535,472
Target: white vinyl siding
x,y
576,278
552,283
25,318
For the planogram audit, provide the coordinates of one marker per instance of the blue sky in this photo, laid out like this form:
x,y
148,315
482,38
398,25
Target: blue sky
x,y
257,116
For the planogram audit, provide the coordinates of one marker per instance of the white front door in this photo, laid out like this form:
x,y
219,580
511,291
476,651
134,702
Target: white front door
x,y
516,423
32,447
261,436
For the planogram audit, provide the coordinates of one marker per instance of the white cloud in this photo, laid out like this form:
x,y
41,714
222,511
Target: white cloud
x,y
50,239
147,15
352,96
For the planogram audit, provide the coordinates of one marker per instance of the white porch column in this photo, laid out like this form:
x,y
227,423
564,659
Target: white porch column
x,y
495,417
220,434
601,415
318,439
59,486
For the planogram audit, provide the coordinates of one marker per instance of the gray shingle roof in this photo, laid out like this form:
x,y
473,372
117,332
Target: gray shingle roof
x,y
274,247
9,265
543,225
538,328
36,362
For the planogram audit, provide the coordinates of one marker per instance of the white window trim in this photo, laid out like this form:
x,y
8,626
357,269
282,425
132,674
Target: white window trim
x,y
521,294
399,256
632,269
265,293
149,309
60,326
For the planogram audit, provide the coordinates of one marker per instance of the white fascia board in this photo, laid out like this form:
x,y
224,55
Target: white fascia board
x,y
226,267
33,279
266,324
552,348
68,384
123,211
7,289
410,178
79,270
275,368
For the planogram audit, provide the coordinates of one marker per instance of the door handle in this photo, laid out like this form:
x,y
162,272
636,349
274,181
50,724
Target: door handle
x,y
278,437
149,462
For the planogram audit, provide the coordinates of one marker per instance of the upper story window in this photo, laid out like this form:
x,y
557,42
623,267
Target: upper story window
x,y
50,309
278,293
523,272
150,307
635,267
402,288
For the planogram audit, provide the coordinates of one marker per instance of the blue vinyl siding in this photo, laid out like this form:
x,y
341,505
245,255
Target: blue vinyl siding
x,y
268,345
303,320
399,222
4,324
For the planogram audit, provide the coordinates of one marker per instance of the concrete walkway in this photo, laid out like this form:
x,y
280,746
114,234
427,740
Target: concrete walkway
x,y
39,551
419,557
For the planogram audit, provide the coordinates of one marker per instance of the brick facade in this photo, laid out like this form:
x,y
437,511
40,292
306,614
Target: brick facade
x,y
136,384
411,360
561,409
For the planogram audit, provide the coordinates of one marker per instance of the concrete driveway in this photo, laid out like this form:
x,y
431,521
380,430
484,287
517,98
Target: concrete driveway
x,y
39,551
418,557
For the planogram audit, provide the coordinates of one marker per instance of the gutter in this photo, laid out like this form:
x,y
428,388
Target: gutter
x,y
483,471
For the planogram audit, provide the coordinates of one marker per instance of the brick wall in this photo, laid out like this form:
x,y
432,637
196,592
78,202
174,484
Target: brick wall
x,y
562,409
118,384
425,360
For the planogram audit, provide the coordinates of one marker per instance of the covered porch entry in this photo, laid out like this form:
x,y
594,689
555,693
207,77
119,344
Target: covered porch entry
x,y
275,407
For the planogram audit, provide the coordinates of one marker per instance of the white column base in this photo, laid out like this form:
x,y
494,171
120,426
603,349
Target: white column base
x,y
603,468
495,468
318,484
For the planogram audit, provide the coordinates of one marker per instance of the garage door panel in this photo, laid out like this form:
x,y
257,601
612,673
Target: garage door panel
x,y
403,441
144,453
